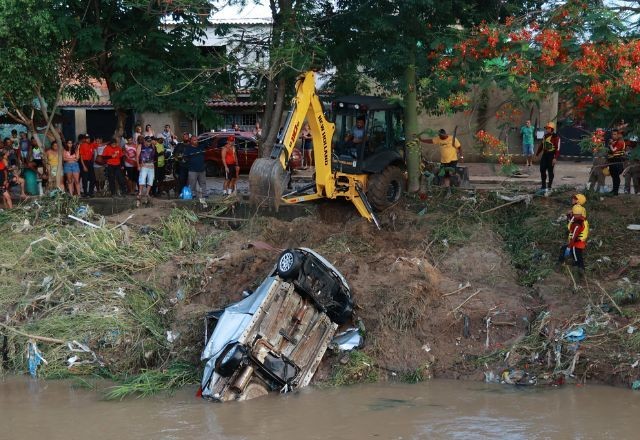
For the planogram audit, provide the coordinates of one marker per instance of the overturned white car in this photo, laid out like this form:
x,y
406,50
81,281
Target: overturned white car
x,y
274,339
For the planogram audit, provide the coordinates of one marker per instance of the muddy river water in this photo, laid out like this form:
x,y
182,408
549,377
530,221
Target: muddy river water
x,y
32,410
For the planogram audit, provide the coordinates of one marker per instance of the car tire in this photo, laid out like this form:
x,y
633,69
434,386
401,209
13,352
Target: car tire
x,y
385,188
289,264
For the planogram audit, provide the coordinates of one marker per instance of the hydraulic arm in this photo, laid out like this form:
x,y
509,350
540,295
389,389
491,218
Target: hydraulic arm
x,y
268,176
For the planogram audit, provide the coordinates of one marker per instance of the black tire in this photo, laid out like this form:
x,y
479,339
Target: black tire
x,y
385,188
289,263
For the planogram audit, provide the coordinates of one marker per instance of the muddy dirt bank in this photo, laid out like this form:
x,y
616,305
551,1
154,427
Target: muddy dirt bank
x,y
447,291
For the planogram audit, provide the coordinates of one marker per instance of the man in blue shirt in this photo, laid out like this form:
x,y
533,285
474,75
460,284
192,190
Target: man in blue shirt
x,y
527,142
194,154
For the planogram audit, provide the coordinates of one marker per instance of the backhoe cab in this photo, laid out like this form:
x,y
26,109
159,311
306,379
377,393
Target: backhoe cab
x,y
358,153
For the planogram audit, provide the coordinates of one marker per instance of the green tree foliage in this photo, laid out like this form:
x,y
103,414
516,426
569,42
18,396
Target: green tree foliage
x,y
393,45
145,52
37,67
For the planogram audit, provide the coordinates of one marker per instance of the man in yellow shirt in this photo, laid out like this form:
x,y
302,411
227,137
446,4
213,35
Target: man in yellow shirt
x,y
450,151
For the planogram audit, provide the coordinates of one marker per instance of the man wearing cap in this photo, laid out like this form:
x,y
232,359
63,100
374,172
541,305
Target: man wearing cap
x,y
196,168
231,167
450,151
550,150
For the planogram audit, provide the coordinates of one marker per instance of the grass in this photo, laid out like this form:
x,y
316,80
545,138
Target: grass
x,y
348,244
525,234
359,368
417,375
150,382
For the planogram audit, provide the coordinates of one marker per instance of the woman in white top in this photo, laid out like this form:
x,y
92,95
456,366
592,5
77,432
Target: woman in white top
x,y
148,131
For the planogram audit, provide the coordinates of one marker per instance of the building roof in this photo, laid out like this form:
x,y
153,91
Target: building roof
x,y
235,104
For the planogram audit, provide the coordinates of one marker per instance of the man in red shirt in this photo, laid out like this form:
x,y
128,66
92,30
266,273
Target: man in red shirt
x,y
113,156
87,173
616,159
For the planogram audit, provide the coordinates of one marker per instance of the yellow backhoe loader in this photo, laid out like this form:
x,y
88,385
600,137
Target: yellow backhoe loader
x,y
358,153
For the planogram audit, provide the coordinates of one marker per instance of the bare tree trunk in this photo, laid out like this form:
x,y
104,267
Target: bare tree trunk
x,y
48,116
276,116
268,114
122,119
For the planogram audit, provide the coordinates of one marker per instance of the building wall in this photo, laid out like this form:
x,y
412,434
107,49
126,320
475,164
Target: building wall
x,y
178,122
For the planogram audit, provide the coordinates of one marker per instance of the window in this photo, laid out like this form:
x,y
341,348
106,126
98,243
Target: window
x,y
246,121
377,130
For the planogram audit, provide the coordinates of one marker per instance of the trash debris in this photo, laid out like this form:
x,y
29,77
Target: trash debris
x,y
423,211
426,347
34,358
120,292
180,294
347,340
518,377
631,329
23,227
77,347
84,222
172,336
604,259
576,335
633,227
635,385
82,211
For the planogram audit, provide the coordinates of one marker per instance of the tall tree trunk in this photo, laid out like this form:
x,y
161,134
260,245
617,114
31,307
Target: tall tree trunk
x,y
268,113
275,117
411,125
48,115
120,125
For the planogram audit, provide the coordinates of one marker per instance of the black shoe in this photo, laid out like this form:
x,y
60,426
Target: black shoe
x,y
613,193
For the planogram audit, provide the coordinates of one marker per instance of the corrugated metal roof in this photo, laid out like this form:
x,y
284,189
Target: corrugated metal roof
x,y
234,104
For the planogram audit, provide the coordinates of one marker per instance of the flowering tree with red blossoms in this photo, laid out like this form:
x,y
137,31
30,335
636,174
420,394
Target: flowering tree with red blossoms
x,y
586,51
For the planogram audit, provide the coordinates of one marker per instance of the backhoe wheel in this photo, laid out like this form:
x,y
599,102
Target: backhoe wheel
x,y
385,188
289,264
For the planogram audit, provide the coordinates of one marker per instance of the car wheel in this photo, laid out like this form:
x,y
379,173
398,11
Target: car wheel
x,y
385,188
289,264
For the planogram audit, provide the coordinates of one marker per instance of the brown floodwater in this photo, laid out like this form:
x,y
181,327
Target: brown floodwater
x,y
440,409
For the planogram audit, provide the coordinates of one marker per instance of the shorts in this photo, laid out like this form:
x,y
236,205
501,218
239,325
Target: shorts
x,y
444,171
146,176
71,167
131,173
231,174
307,144
527,149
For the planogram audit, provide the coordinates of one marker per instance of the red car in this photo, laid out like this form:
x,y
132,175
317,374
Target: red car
x,y
247,150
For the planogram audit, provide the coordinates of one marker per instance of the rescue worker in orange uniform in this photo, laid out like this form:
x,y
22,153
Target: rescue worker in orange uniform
x,y
578,228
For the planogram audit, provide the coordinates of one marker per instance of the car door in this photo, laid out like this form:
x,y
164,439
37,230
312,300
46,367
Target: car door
x,y
247,151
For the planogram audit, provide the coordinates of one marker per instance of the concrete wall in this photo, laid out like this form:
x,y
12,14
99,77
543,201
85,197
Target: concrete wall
x,y
469,124
178,122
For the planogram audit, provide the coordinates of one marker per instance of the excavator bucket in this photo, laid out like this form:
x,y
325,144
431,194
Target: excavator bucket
x,y
267,182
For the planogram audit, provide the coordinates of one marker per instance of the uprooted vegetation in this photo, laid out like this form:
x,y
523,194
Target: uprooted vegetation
x,y
454,290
